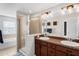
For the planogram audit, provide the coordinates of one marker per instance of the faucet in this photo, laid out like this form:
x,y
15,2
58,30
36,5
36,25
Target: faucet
x,y
45,35
69,39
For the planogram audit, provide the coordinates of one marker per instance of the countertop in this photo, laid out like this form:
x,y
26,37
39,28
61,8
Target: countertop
x,y
58,42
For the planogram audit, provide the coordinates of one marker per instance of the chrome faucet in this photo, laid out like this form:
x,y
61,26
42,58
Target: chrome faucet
x,y
69,39
45,35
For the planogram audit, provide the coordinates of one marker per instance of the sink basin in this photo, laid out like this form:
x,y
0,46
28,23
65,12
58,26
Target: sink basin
x,y
70,43
44,38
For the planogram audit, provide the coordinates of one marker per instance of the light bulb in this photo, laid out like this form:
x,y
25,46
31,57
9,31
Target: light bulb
x,y
44,16
63,11
77,7
70,10
50,15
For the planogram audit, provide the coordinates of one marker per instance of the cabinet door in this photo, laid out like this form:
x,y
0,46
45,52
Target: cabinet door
x,y
51,52
37,50
73,52
59,53
37,47
61,48
43,50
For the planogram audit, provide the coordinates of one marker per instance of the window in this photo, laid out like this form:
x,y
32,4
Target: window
x,y
9,27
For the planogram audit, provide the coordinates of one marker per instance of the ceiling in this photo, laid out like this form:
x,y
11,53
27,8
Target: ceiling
x,y
9,9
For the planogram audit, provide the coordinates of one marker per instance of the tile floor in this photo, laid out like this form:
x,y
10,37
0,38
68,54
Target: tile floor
x,y
8,51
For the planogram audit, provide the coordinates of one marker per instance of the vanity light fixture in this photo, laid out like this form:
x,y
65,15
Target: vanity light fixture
x,y
63,10
69,8
48,12
51,14
46,15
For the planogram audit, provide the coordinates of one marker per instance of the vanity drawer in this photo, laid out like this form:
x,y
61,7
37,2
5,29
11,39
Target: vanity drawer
x,y
61,48
50,45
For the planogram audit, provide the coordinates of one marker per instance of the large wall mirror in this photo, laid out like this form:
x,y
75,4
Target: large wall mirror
x,y
67,27
58,24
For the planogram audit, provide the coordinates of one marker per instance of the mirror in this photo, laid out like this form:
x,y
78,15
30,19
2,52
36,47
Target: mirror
x,y
61,25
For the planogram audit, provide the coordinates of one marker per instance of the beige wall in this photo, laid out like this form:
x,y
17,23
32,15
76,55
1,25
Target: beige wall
x,y
20,35
35,25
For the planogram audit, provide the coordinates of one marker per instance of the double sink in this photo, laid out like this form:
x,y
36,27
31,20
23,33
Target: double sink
x,y
64,42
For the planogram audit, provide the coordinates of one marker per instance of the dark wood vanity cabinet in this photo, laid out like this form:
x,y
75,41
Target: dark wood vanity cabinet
x,y
51,49
65,51
37,47
60,51
51,52
43,48
40,48
73,52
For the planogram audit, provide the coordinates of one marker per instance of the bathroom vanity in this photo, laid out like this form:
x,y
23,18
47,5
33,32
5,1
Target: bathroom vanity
x,y
54,47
